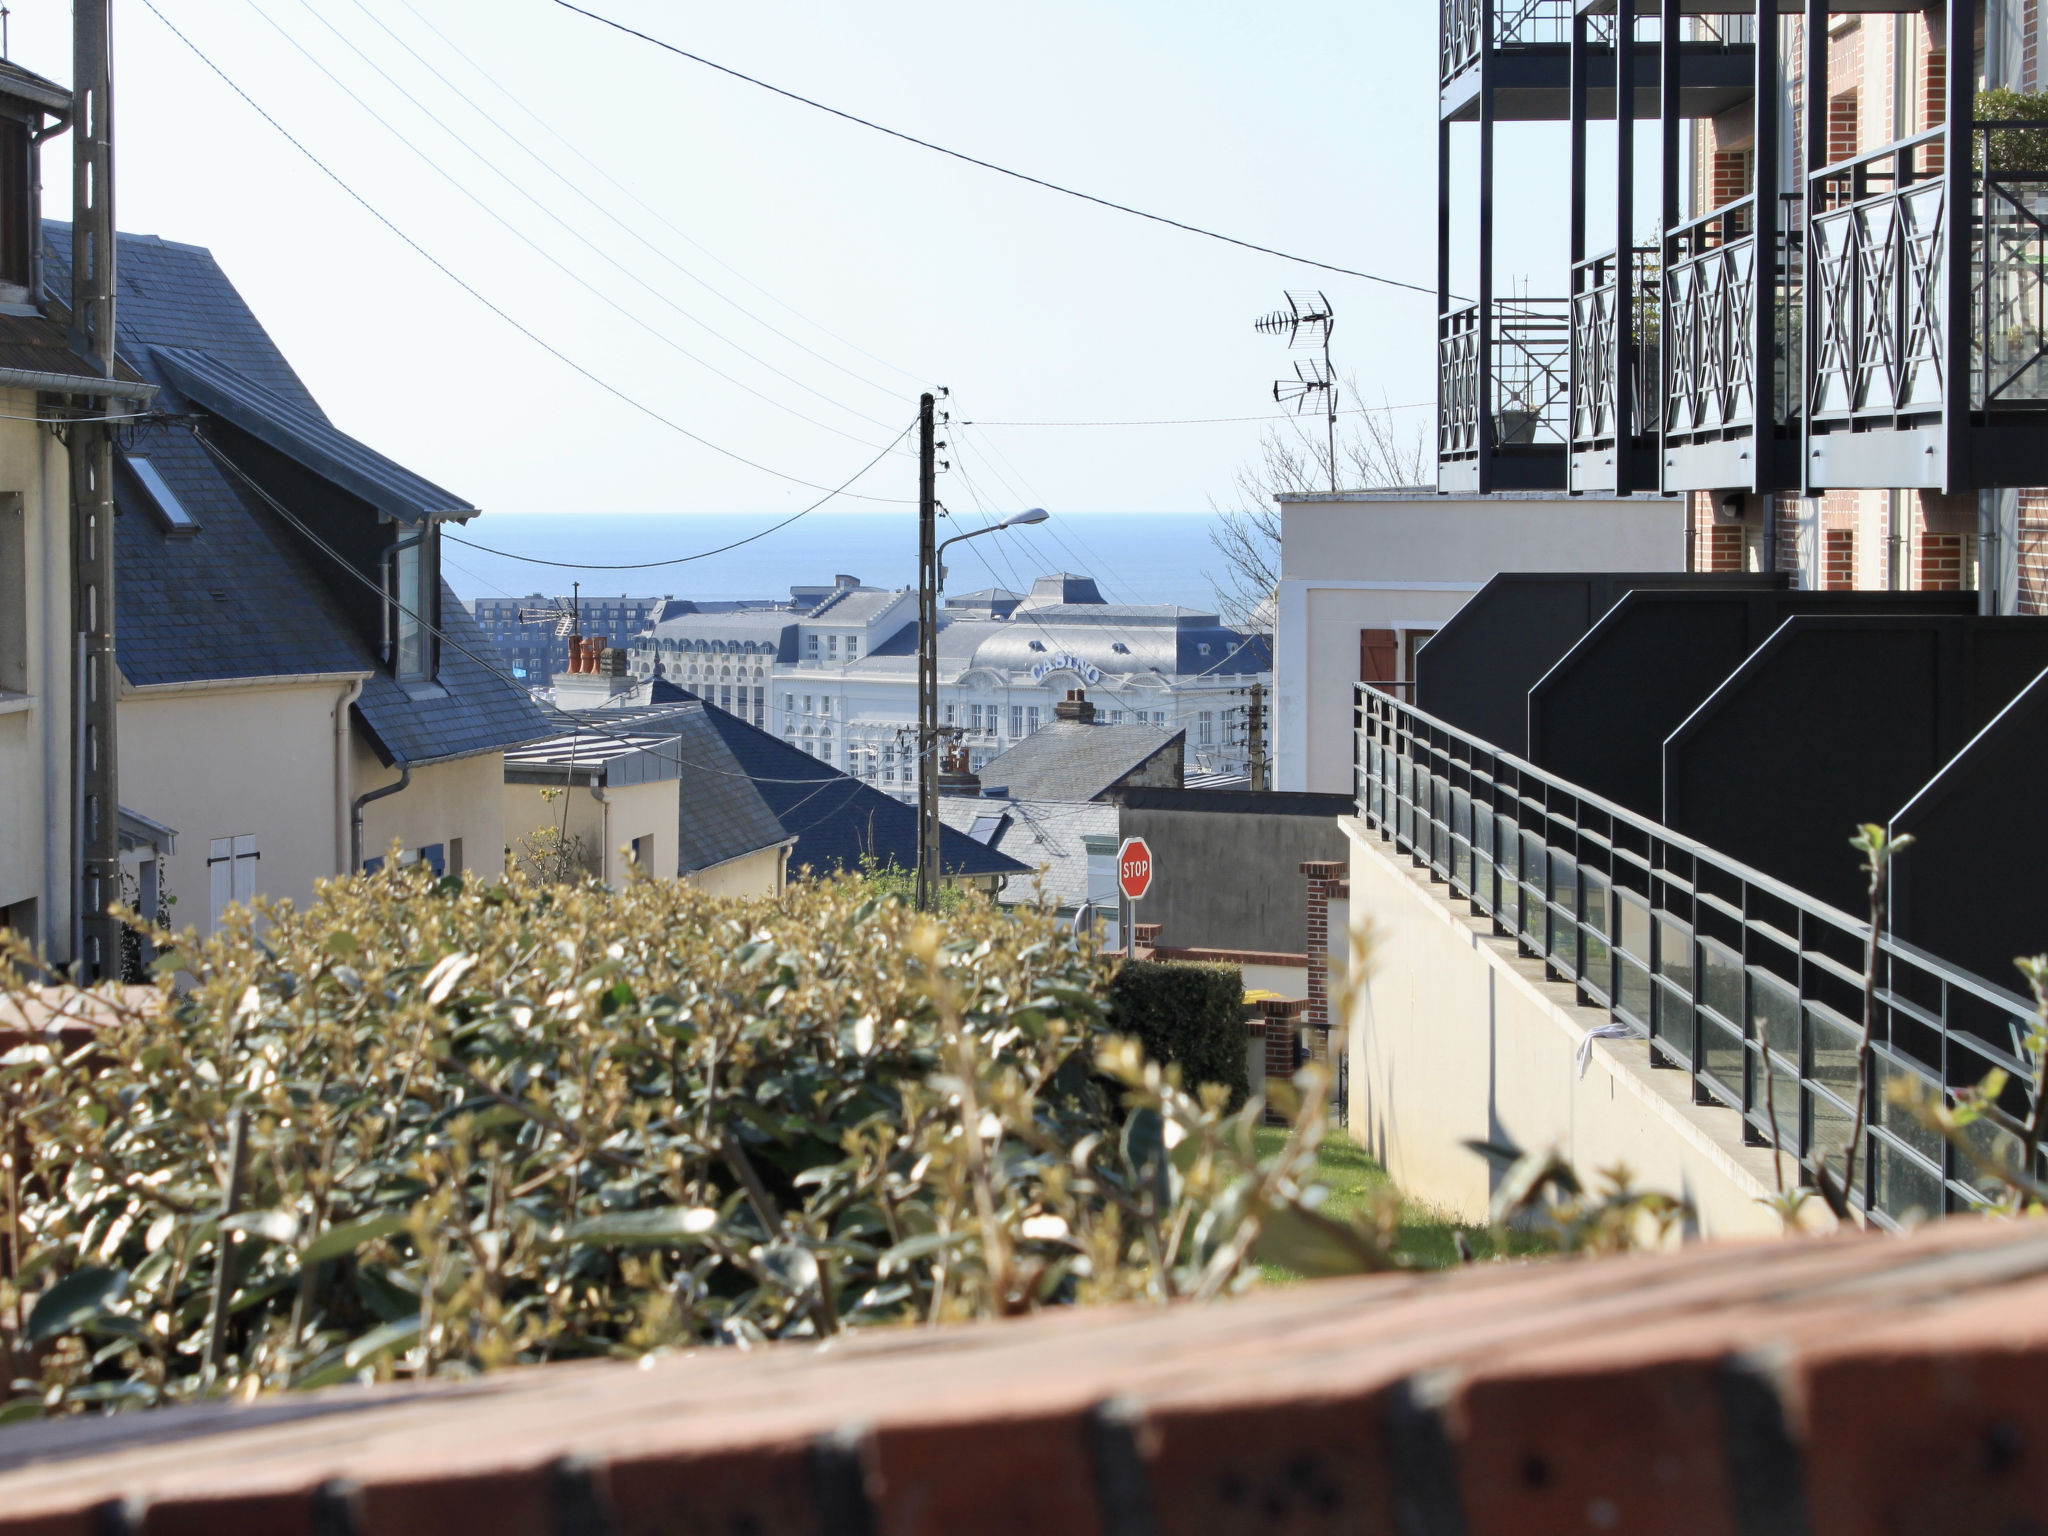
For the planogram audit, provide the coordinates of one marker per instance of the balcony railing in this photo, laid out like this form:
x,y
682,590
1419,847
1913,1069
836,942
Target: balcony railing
x,y
1878,260
1531,379
1710,298
1595,354
1750,987
1516,23
2009,268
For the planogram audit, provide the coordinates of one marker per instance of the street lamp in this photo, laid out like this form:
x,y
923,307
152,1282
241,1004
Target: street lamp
x,y
930,577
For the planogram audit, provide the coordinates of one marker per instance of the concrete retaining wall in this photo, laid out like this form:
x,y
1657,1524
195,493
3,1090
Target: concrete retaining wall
x,y
1455,1037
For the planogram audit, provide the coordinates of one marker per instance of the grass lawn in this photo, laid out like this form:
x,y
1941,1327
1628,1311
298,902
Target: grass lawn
x,y
1426,1236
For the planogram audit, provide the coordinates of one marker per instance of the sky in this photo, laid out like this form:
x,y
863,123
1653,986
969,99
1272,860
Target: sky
x,y
778,282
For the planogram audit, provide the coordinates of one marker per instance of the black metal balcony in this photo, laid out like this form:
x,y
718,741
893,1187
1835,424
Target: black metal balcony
x,y
1529,61
1615,378
1503,427
1893,396
1712,290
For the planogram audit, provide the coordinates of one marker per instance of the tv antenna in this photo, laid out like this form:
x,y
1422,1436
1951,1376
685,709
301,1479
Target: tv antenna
x,y
1306,322
564,615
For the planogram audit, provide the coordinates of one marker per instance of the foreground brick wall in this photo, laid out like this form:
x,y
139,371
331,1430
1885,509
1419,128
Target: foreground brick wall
x,y
1832,1387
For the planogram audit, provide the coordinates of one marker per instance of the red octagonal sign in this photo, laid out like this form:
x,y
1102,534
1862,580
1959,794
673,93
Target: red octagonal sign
x,y
1134,867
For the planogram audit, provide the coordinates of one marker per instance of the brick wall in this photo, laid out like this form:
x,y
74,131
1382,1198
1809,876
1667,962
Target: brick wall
x,y
1857,1385
1939,567
2032,552
1326,880
1838,559
1787,512
1720,547
1281,1020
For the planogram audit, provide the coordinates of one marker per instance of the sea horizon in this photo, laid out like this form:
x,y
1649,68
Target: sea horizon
x,y
1135,557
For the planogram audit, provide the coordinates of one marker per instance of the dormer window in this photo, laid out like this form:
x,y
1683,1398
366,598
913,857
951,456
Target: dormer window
x,y
813,647
412,585
1121,649
832,647
853,647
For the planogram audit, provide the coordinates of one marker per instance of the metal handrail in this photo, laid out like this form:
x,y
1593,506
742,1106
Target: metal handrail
x,y
1729,972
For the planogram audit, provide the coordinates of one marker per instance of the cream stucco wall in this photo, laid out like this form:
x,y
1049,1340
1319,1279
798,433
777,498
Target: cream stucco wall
x,y
35,703
761,873
1407,560
224,760
604,827
462,799
1454,1037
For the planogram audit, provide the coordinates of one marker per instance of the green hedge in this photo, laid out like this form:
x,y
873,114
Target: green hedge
x,y
1188,1015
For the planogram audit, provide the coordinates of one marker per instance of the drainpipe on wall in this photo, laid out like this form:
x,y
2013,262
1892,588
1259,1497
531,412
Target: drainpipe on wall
x,y
355,830
604,822
343,838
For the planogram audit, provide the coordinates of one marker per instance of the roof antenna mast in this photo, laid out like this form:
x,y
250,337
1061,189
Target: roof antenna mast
x,y
1306,322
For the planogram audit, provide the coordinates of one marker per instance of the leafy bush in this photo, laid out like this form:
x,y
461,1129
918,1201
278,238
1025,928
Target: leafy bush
x,y
425,1128
1191,1016
2015,149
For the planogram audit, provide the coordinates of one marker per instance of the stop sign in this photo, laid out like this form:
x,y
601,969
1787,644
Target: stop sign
x,y
1134,868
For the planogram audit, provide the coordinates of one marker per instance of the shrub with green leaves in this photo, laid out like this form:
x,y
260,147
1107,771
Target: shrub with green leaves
x,y
1186,1015
2015,150
425,1128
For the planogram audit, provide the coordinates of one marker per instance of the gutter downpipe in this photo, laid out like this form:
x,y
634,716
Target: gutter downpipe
x,y
344,839
355,830
605,819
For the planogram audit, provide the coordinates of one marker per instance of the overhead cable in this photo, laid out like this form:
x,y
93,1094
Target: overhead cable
x,y
989,165
1205,421
535,246
581,191
443,268
653,565
577,722
656,214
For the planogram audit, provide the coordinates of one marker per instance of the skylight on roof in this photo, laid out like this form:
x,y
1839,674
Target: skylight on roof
x,y
984,828
162,499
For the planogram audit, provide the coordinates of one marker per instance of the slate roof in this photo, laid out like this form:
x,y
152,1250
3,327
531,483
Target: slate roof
x,y
835,818
307,438
1068,760
1045,836
246,595
855,605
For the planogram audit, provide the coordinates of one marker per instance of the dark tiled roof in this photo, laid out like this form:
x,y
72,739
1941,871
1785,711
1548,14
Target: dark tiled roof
x,y
835,818
283,608
473,710
306,438
47,94
1068,760
42,344
172,295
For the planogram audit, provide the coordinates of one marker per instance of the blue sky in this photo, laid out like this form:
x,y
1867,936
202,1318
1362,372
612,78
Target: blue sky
x,y
1305,126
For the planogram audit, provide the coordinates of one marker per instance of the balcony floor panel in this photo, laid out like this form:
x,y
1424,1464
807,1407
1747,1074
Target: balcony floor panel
x,y
1532,84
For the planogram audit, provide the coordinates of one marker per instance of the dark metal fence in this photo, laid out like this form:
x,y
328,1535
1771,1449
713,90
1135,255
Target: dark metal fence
x,y
1750,987
1710,298
1531,376
1597,349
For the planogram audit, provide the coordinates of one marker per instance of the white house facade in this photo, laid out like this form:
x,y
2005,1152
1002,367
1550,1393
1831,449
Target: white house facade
x,y
839,680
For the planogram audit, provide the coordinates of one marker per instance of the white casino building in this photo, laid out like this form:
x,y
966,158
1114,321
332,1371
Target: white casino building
x,y
836,670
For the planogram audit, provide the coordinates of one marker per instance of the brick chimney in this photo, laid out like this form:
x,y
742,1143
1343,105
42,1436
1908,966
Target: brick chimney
x,y
1074,706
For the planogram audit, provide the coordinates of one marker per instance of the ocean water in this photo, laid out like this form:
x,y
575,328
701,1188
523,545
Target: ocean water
x,y
1141,557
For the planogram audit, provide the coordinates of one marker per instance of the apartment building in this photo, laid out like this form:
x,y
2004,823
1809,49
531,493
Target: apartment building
x,y
1604,846
837,676
529,634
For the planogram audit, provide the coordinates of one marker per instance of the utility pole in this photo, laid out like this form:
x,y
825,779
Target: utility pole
x,y
1255,728
96,831
927,658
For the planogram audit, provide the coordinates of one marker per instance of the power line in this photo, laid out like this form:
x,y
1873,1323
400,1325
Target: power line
x,y
577,722
989,165
548,166
1203,421
442,267
533,245
656,214
652,565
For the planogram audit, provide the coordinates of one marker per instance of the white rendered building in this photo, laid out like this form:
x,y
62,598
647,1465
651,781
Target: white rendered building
x,y
839,677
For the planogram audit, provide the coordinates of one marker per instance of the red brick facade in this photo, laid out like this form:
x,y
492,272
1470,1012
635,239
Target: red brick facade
x,y
1838,559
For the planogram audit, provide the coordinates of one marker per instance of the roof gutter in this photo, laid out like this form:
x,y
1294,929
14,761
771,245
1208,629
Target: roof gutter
x,y
75,384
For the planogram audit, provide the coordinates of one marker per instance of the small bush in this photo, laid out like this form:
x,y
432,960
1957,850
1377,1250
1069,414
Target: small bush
x,y
2015,149
1190,1016
428,1127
